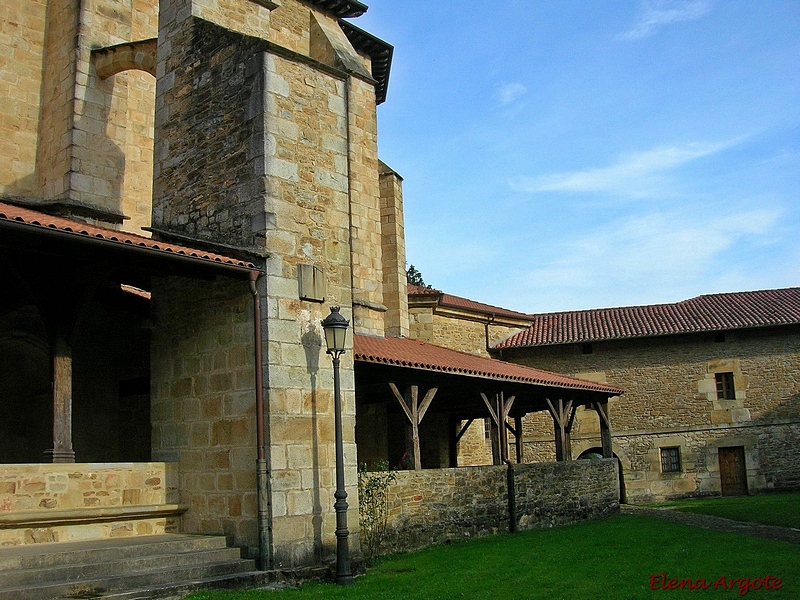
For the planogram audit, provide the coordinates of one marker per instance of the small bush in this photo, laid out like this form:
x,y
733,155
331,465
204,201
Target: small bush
x,y
373,506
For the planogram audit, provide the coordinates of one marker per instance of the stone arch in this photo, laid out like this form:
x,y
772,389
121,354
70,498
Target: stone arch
x,y
140,56
587,448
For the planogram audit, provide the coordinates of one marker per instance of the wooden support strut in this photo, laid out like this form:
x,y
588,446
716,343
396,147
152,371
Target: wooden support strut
x,y
563,417
415,411
499,413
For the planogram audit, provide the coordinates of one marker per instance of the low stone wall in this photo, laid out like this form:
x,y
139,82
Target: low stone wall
x,y
65,502
434,506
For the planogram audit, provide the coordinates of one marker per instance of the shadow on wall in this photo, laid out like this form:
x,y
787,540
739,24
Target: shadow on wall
x,y
312,344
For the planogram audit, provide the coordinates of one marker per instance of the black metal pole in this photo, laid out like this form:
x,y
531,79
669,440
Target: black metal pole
x,y
343,574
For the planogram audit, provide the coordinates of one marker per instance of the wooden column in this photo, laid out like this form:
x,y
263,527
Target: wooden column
x,y
62,451
458,434
499,409
518,438
605,428
415,411
563,417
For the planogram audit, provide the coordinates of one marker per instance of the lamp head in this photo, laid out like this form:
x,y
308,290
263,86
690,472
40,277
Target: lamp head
x,y
335,327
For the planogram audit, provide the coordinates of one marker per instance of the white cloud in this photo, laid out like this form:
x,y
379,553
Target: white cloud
x,y
637,175
656,13
510,92
652,258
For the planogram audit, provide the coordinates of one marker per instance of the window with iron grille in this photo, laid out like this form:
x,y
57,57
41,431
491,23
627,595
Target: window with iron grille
x,y
725,389
671,460
487,428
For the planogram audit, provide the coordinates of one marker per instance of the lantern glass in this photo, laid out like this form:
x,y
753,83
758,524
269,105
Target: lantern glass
x,y
335,326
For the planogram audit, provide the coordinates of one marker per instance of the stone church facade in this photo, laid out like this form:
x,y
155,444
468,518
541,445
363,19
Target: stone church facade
x,y
232,144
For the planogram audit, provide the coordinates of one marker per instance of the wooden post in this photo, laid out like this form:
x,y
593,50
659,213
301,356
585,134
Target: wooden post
x,y
62,451
563,416
605,428
499,413
415,411
518,438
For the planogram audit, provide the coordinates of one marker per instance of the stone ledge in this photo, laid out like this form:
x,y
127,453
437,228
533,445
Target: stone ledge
x,y
79,516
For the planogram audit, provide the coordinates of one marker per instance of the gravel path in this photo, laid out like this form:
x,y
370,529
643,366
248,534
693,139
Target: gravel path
x,y
767,532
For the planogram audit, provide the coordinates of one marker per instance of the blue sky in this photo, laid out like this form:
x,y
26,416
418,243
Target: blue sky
x,y
562,155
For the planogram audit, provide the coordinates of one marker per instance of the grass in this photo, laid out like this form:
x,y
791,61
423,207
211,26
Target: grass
x,y
782,510
611,559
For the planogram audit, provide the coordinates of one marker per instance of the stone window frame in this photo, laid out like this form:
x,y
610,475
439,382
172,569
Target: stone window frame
x,y
671,459
725,411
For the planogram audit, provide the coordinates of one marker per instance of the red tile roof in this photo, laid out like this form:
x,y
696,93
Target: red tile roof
x,y
465,304
712,312
15,214
414,354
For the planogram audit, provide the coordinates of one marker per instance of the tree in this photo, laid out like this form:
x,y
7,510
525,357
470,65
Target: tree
x,y
414,277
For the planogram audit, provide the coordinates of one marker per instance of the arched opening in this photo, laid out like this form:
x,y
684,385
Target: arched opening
x,y
25,389
596,453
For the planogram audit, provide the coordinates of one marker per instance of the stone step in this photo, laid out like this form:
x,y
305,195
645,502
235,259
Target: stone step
x,y
34,556
124,568
245,580
98,586
130,566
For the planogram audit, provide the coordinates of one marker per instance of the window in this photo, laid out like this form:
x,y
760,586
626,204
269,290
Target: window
x,y
725,389
671,460
487,428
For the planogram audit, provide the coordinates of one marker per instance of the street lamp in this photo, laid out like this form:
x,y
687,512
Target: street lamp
x,y
335,327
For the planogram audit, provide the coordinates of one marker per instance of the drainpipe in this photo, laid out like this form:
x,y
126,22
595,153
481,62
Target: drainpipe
x,y
488,322
265,558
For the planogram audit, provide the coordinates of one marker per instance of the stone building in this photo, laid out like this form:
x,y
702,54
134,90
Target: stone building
x,y
186,186
468,326
712,390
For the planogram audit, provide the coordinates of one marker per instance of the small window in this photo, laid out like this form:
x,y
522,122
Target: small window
x,y
587,349
725,389
487,428
671,460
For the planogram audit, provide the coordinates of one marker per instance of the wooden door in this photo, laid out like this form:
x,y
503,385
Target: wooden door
x,y
732,471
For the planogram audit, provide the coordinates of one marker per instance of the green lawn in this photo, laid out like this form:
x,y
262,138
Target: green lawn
x,y
611,559
771,509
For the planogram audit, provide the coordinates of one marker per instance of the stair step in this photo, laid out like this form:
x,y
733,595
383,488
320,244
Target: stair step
x,y
35,556
247,579
99,585
130,566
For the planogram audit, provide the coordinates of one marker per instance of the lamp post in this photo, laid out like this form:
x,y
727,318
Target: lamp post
x,y
335,327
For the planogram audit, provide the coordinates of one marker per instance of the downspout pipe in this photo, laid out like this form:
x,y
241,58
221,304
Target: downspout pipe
x,y
265,558
486,324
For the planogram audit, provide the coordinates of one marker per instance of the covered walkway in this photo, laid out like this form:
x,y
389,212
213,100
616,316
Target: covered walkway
x,y
404,381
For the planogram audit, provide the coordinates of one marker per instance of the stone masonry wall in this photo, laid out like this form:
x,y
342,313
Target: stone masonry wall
x,y
203,401
276,128
671,401
31,492
455,333
393,251
22,42
433,506
77,139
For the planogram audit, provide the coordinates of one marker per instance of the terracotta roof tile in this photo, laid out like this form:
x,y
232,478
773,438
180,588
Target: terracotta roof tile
x,y
35,219
711,312
466,304
415,354
418,290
